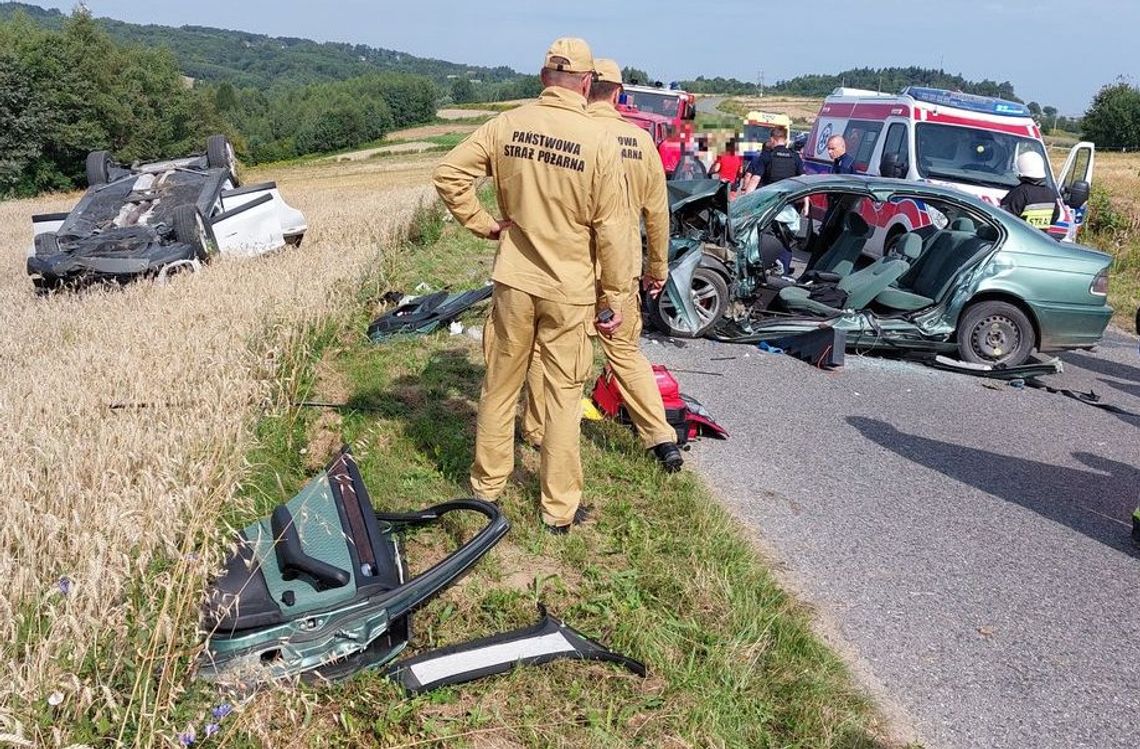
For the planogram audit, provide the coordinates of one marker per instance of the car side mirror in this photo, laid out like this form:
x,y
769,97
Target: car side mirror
x,y
890,166
1077,194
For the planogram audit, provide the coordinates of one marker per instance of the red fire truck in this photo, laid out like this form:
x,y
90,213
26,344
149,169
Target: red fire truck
x,y
677,109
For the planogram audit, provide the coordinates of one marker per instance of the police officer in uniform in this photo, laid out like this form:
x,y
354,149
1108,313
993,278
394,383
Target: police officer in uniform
x,y
772,165
559,182
650,203
775,163
1032,199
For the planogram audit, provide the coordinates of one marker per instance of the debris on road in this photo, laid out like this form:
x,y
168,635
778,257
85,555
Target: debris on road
x,y
425,314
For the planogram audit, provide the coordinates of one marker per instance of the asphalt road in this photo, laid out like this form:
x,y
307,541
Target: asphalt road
x,y
710,104
968,547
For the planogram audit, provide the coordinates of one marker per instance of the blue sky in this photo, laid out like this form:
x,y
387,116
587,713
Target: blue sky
x,y
1055,51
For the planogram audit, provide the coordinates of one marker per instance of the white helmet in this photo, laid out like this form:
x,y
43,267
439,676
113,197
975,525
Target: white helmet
x,y
1030,165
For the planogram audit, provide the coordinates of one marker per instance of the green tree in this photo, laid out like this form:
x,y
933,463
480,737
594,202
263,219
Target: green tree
x,y
462,90
72,91
634,76
1113,118
225,97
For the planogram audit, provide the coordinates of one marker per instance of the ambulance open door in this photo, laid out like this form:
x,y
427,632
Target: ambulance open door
x,y
1075,181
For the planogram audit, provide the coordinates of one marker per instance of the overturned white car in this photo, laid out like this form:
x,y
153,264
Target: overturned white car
x,y
150,219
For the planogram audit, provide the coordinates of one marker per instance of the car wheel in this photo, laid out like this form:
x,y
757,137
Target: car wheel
x,y
220,155
47,244
709,292
98,168
191,228
995,333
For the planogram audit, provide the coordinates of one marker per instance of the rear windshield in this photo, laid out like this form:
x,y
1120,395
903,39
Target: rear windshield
x,y
970,155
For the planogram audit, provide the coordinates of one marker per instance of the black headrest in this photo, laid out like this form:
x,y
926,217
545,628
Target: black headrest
x,y
853,223
988,233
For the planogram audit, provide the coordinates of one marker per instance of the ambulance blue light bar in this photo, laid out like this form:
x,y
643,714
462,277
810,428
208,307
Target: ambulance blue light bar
x,y
972,102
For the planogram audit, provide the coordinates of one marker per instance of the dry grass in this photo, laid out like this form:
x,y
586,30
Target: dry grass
x,y
109,517
1116,230
1120,173
800,109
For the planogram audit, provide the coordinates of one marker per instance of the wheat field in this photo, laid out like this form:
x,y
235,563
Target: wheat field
x,y
110,516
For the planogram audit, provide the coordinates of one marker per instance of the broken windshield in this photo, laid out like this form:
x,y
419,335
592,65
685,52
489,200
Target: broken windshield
x,y
970,155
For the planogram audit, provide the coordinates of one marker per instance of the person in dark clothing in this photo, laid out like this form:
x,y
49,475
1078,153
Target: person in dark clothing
x,y
770,166
775,163
1033,199
841,161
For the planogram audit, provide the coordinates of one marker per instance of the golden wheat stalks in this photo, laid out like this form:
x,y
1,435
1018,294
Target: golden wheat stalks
x,y
107,511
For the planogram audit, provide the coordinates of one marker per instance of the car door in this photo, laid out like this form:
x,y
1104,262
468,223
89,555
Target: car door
x,y
1078,168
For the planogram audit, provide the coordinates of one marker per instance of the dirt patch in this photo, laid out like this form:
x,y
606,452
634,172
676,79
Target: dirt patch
x,y
325,440
428,131
332,383
520,569
367,153
463,114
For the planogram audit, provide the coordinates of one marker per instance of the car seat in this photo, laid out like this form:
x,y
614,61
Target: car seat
x,y
950,250
861,287
840,257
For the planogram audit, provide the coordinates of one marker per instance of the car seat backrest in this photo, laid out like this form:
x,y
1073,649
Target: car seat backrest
x,y
949,252
864,285
840,257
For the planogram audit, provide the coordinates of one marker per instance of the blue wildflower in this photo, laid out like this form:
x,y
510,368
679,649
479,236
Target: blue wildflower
x,y
222,710
64,585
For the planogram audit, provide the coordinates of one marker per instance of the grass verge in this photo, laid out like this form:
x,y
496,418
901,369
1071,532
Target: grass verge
x,y
663,575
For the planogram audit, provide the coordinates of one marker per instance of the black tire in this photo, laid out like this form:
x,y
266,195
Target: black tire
x,y
294,240
47,244
710,295
192,228
98,168
995,333
220,155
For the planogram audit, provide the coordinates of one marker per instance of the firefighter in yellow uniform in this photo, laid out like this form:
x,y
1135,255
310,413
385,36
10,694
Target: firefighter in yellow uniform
x,y
650,202
558,182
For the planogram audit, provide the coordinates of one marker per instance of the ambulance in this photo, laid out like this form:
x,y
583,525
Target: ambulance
x,y
757,129
943,137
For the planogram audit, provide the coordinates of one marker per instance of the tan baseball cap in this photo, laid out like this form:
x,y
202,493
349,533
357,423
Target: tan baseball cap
x,y
571,55
608,70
